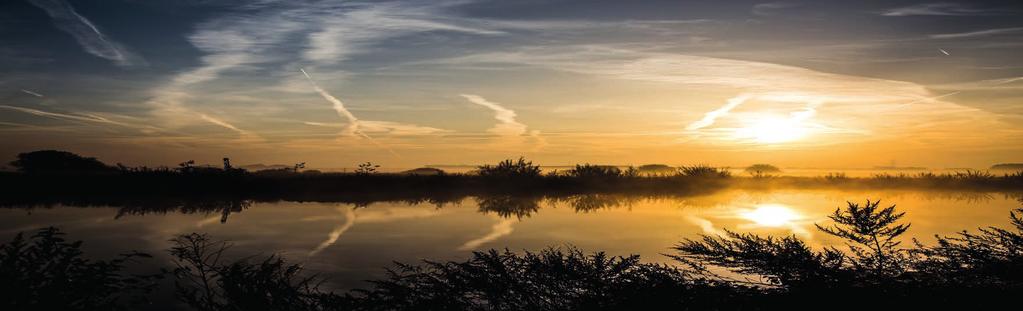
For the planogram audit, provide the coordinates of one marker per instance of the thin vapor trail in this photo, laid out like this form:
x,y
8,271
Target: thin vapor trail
x,y
339,107
1004,81
31,93
710,117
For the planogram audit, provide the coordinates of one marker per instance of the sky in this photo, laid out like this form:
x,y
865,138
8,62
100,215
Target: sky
x,y
827,84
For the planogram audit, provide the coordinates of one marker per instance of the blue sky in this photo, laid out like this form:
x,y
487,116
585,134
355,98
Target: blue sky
x,y
407,83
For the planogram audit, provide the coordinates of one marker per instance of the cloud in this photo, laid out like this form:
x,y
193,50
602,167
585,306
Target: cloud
x,y
89,36
772,8
244,135
507,125
70,117
978,33
393,128
31,93
710,117
938,9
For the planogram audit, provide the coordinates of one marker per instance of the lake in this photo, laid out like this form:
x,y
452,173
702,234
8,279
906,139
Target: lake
x,y
349,244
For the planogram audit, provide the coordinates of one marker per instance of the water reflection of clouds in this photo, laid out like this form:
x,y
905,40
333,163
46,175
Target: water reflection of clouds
x,y
503,227
349,216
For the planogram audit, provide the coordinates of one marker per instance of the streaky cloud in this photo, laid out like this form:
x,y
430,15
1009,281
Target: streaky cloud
x,y
709,118
243,133
938,9
31,93
978,33
507,125
89,36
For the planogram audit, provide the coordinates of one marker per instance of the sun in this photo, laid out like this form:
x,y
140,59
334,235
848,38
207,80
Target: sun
x,y
772,130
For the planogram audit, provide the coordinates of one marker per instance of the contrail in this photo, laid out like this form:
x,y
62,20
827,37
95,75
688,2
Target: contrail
x,y
339,107
31,93
86,33
710,117
508,126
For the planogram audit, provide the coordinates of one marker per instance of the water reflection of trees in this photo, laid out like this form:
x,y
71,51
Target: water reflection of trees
x,y
503,205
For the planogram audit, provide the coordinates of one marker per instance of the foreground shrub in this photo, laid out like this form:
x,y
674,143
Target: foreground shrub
x,y
551,279
46,272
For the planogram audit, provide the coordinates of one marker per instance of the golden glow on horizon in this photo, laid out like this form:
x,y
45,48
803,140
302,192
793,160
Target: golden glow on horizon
x,y
772,215
773,130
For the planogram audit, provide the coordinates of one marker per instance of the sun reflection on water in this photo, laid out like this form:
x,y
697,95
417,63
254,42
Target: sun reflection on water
x,y
772,215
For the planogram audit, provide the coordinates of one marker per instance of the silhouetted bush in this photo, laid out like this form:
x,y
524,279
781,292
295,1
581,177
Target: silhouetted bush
x,y
762,170
45,272
426,171
655,169
510,169
590,171
207,281
62,162
703,171
551,279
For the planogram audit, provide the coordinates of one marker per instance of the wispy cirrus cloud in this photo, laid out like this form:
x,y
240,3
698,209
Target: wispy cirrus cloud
x,y
772,8
86,33
978,33
507,125
939,9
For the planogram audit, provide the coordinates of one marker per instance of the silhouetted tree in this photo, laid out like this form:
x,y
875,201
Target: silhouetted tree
x,y
54,161
367,168
873,234
762,170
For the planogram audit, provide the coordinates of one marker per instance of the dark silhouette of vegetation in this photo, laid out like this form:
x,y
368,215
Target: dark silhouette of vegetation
x,y
123,185
58,162
972,269
703,171
590,171
762,170
655,169
981,269
366,168
510,169
426,171
46,272
1008,167
206,280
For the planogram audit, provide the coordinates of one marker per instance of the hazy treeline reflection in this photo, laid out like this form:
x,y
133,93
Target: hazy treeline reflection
x,y
503,205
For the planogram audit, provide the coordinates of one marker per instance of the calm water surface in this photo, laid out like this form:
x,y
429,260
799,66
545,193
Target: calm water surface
x,y
350,244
